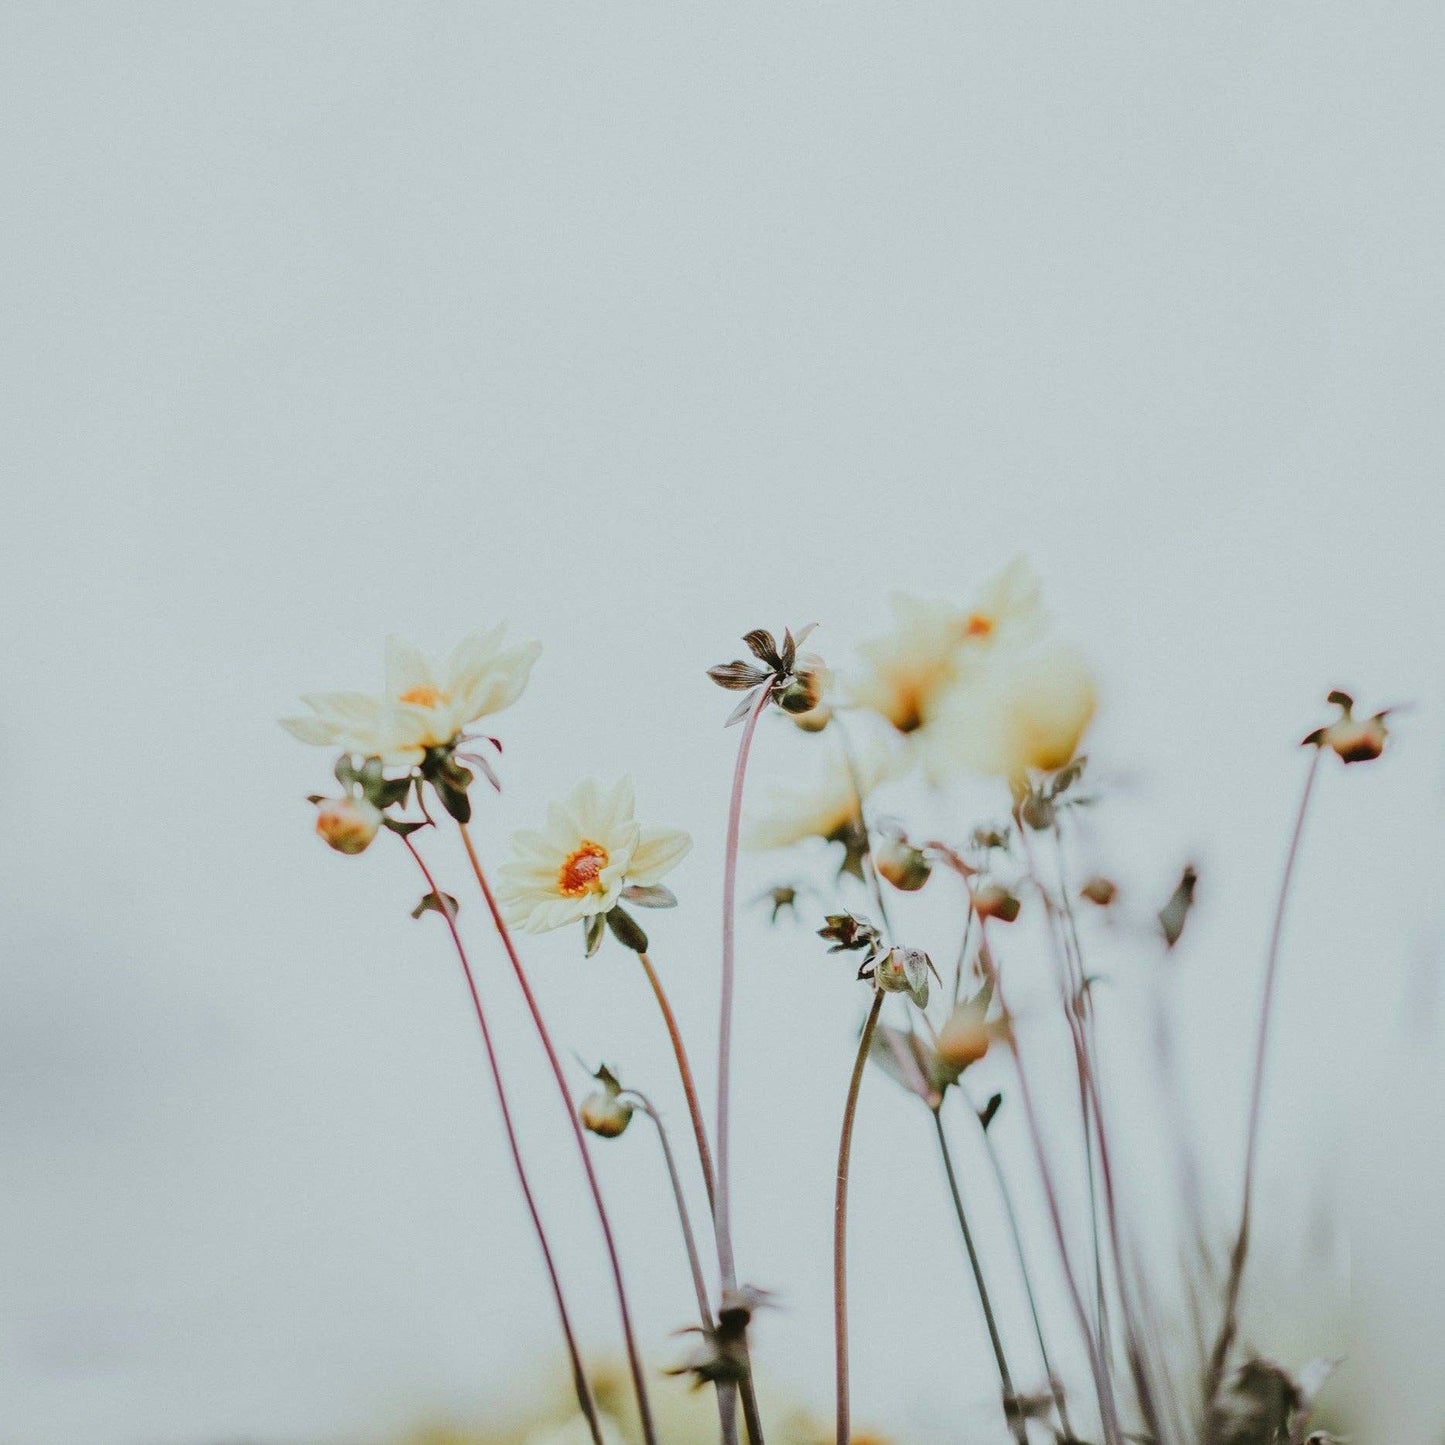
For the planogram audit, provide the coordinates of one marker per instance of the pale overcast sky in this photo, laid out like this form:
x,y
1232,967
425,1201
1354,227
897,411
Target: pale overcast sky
x,y
640,326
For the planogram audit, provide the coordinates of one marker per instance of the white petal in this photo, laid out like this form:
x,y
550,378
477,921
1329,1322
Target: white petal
x,y
472,656
406,667
658,851
313,730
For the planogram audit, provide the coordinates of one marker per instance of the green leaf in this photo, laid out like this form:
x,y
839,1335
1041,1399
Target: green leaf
x,y
401,827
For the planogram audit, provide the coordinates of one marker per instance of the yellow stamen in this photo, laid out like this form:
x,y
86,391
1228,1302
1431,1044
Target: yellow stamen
x,y
979,625
579,875
423,696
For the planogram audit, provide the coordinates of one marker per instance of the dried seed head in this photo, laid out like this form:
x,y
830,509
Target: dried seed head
x,y
604,1111
348,824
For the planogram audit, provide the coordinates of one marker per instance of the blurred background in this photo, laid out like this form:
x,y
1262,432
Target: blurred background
x,y
640,326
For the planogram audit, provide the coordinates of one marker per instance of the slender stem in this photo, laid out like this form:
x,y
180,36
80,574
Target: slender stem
x,y
634,1358
579,1377
1011,1214
723,1210
1229,1324
840,1222
726,1396
1010,1398
722,1199
689,1083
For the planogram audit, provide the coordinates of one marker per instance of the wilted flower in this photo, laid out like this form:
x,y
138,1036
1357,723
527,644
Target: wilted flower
x,y
1352,739
829,808
421,708
934,643
720,1353
1014,714
904,970
850,933
604,1111
591,853
795,682
348,824
907,868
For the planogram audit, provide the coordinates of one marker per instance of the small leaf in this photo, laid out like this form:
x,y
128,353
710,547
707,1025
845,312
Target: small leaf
x,y
653,896
1174,913
401,827
985,1114
483,767
592,930
442,903
626,930
315,798
389,792
345,771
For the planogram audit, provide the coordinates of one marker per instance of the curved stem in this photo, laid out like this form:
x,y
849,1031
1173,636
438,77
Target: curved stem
x,y
1010,1399
689,1083
579,1377
634,1358
1220,1356
850,762
840,1223
1011,1214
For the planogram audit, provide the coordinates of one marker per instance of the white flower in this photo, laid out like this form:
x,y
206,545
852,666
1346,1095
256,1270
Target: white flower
x,y
421,707
577,866
1014,713
826,808
934,643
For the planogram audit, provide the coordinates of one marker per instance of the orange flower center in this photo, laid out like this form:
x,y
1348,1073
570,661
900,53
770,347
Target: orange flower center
x,y
423,696
979,625
578,875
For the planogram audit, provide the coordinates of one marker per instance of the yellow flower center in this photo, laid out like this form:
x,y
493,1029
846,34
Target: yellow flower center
x,y
423,696
579,874
979,625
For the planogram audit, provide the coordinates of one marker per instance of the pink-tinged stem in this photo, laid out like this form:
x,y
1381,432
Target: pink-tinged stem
x,y
579,1377
1220,1356
725,1011
840,1225
634,1358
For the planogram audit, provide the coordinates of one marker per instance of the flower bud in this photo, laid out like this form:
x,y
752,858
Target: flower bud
x,y
965,1037
347,824
904,970
903,865
604,1113
803,693
1099,890
993,900
1352,739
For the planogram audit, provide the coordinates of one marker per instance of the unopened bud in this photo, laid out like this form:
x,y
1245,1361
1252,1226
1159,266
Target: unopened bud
x,y
1352,739
1099,890
993,900
903,865
604,1113
348,824
804,691
967,1035
904,970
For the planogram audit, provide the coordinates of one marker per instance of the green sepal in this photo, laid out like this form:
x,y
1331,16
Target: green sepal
x,y
626,930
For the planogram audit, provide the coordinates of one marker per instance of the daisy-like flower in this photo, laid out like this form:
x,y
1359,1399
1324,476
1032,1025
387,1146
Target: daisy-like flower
x,y
1016,713
592,853
829,808
422,708
933,643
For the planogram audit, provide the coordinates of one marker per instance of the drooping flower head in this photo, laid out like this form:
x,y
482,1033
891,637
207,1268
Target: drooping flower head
x,y
421,707
592,853
795,681
1352,739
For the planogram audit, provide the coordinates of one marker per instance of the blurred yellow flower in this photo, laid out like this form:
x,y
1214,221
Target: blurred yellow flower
x,y
826,808
577,866
421,707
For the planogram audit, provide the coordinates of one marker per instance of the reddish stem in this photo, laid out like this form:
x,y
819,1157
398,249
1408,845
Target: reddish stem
x,y
579,1377
634,1358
